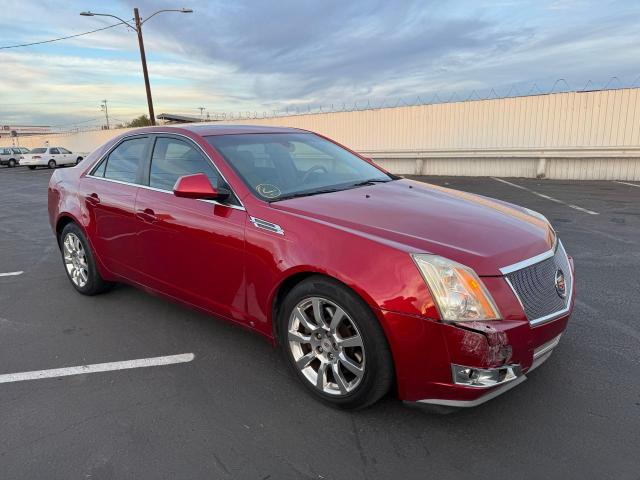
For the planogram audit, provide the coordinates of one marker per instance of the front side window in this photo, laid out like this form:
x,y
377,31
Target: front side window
x,y
16,150
172,159
285,165
123,162
63,150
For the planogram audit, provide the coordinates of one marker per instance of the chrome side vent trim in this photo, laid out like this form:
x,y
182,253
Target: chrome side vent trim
x,y
264,225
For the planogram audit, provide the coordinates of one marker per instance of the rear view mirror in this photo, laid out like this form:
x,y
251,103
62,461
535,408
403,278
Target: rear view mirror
x,y
198,186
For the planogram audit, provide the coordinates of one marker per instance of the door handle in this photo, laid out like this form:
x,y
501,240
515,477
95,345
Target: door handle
x,y
93,199
147,215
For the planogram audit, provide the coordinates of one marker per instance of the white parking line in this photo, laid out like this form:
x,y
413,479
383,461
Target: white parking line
x,y
547,197
96,367
627,183
11,274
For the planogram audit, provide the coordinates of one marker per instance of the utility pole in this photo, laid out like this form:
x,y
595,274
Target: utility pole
x,y
138,28
202,109
143,58
103,107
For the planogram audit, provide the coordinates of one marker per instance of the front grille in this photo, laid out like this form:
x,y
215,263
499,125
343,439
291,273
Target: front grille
x,y
535,286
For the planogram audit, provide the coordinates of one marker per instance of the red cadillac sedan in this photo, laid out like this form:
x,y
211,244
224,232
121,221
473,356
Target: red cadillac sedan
x,y
367,281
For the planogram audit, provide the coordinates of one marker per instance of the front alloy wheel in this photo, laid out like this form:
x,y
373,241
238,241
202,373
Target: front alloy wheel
x,y
334,343
326,346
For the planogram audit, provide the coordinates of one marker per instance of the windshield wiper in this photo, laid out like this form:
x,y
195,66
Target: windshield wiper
x,y
371,181
307,194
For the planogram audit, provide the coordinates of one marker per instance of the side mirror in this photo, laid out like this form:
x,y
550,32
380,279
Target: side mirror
x,y
198,186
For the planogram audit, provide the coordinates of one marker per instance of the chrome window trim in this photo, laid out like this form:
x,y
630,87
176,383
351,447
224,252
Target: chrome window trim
x,y
266,225
532,261
169,192
141,134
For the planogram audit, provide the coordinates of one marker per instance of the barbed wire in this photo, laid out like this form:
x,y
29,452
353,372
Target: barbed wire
x,y
561,85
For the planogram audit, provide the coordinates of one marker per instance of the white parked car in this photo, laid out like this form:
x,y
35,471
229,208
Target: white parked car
x,y
51,157
10,156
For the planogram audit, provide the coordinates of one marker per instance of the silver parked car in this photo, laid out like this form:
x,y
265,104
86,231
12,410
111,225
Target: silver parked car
x,y
10,156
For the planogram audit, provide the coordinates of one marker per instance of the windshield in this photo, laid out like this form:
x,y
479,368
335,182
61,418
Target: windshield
x,y
285,165
38,150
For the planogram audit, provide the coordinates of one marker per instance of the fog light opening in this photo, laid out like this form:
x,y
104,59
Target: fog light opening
x,y
484,377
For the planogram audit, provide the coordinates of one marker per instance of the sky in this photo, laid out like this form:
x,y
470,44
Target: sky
x,y
262,56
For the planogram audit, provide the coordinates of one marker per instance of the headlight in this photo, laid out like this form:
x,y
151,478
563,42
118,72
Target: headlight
x,y
458,292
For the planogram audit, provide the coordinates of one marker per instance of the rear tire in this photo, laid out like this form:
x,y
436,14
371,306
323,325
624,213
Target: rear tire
x,y
32,167
80,263
51,164
12,163
78,160
343,359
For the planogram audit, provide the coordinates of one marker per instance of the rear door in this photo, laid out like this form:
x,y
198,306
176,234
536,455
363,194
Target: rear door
x,y
192,249
109,195
66,156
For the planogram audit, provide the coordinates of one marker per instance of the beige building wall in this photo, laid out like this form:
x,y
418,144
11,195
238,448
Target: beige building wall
x,y
575,135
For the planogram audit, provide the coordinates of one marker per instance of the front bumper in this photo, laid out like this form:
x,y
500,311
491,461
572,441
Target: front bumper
x,y
426,351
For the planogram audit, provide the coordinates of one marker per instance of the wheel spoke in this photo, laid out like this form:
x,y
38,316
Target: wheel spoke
x,y
304,361
354,341
337,317
299,337
304,320
321,381
350,365
339,378
318,316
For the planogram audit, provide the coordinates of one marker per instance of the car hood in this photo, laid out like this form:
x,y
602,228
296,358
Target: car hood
x,y
477,231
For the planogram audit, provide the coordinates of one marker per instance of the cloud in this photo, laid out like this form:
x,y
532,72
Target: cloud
x,y
265,55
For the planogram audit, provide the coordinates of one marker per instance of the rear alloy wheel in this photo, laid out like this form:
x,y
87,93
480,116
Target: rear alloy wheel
x,y
80,263
335,344
52,164
12,163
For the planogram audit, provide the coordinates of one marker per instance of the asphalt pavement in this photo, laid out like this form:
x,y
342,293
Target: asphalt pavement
x,y
235,411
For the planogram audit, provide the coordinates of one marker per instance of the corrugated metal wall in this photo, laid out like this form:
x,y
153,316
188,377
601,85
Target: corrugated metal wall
x,y
581,135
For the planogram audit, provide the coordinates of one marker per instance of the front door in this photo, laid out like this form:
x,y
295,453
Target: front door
x,y
192,249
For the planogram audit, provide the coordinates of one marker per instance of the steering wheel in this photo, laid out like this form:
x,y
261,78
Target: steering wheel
x,y
308,173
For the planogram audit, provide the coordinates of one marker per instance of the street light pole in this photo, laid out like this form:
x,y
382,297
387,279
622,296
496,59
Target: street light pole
x,y
143,58
103,107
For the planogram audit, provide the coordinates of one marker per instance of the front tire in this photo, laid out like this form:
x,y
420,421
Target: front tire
x,y
80,263
52,164
12,163
335,344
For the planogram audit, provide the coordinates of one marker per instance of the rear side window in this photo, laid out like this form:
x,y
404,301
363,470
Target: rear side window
x,y
172,159
16,150
54,151
123,162
38,150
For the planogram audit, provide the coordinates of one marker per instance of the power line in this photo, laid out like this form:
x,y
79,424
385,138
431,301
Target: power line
x,y
61,38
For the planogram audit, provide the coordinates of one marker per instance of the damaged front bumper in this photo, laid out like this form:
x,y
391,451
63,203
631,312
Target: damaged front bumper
x,y
491,382
432,358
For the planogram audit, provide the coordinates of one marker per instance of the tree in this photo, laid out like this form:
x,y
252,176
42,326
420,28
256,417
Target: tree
x,y
141,121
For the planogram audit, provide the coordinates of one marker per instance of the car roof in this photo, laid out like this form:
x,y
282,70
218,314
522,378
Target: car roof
x,y
209,129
